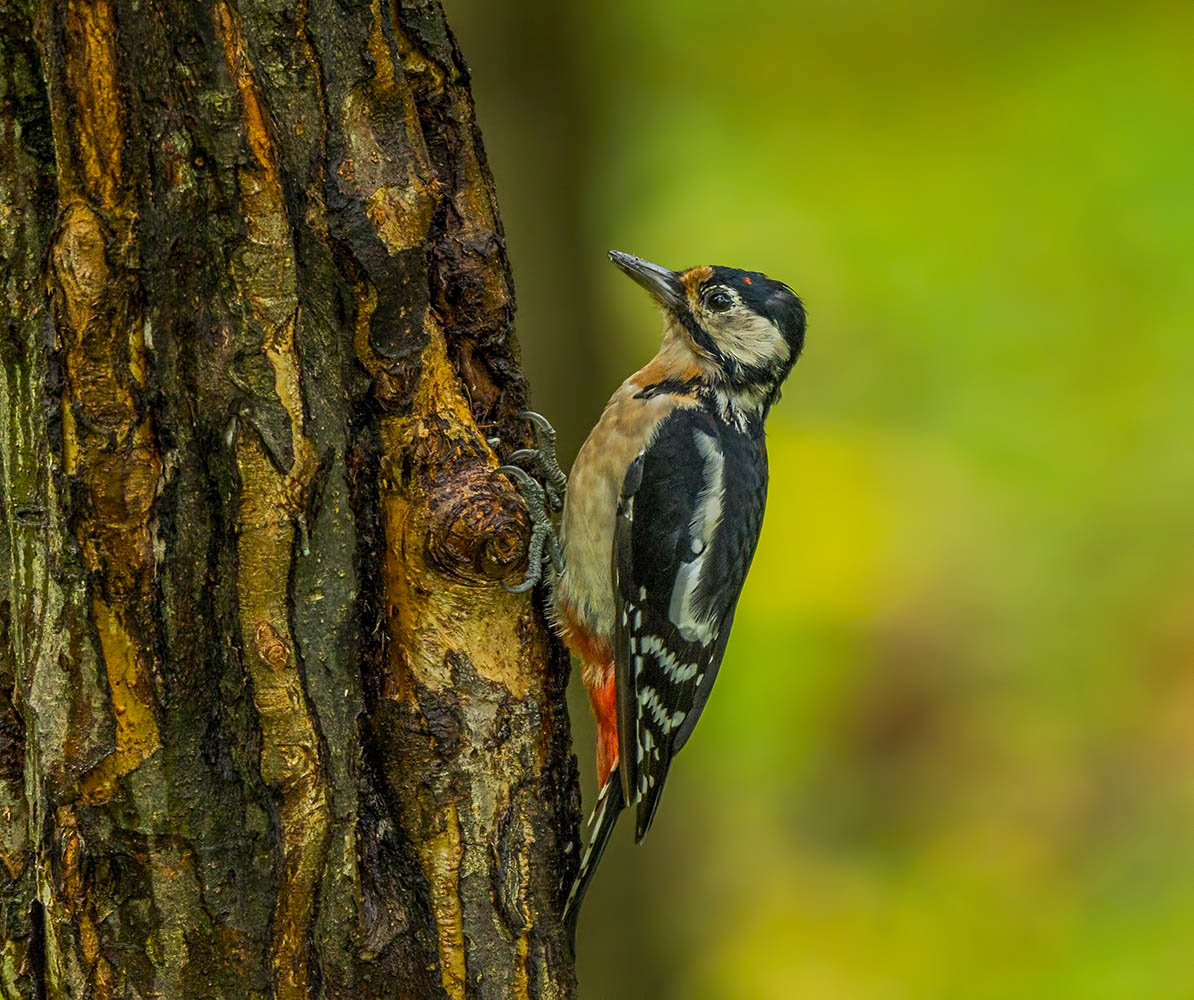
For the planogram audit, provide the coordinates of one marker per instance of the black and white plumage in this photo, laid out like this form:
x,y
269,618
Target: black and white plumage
x,y
688,522
662,514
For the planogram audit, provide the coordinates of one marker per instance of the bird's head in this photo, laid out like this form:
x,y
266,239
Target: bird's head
x,y
743,329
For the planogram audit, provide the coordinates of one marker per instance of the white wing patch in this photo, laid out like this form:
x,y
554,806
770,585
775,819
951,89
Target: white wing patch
x,y
703,527
677,672
648,699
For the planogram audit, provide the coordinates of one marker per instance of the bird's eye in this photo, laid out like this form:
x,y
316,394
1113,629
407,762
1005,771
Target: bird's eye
x,y
718,302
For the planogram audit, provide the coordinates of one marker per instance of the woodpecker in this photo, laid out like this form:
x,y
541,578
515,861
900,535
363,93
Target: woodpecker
x,y
661,516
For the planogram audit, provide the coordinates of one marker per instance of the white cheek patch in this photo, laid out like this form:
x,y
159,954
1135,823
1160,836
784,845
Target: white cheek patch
x,y
752,339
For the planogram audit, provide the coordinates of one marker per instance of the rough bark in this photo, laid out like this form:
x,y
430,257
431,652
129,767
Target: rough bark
x,y
269,725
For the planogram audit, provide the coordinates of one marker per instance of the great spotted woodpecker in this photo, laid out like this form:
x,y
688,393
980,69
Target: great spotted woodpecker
x,y
661,515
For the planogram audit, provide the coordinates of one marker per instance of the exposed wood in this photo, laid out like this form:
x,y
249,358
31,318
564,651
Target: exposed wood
x,y
269,725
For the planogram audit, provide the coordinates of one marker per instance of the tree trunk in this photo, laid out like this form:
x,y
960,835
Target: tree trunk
x,y
269,725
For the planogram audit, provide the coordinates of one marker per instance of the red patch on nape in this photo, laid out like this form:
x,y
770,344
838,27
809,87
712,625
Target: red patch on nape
x,y
748,281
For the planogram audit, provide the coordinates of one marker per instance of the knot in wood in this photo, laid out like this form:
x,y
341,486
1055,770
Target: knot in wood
x,y
273,649
480,531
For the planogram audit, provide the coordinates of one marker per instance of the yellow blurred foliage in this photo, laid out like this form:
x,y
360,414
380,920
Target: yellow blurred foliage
x,y
827,530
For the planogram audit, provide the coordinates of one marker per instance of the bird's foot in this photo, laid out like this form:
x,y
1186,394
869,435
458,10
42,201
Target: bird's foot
x,y
543,498
543,460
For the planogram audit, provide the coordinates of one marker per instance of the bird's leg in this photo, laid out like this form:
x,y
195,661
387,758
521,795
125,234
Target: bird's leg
x,y
543,535
543,460
543,491
554,552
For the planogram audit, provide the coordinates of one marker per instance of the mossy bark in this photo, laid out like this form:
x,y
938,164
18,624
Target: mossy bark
x,y
269,725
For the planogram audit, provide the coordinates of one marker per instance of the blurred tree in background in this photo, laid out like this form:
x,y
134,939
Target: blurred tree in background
x,y
951,753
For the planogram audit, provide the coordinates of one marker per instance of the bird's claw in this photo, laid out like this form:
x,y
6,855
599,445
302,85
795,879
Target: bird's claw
x,y
543,545
544,460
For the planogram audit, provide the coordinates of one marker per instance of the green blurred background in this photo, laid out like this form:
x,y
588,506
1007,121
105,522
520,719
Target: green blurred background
x,y
951,752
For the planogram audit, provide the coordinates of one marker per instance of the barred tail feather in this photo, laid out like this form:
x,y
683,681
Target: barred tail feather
x,y
605,816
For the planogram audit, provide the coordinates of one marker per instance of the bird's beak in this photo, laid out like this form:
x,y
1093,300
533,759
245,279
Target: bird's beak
x,y
663,284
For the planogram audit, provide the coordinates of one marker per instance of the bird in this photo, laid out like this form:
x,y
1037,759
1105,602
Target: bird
x,y
661,515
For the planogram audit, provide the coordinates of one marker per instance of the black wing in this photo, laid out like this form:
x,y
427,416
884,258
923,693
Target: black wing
x,y
688,521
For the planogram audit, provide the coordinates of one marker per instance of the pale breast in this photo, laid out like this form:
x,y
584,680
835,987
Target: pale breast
x,y
586,588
